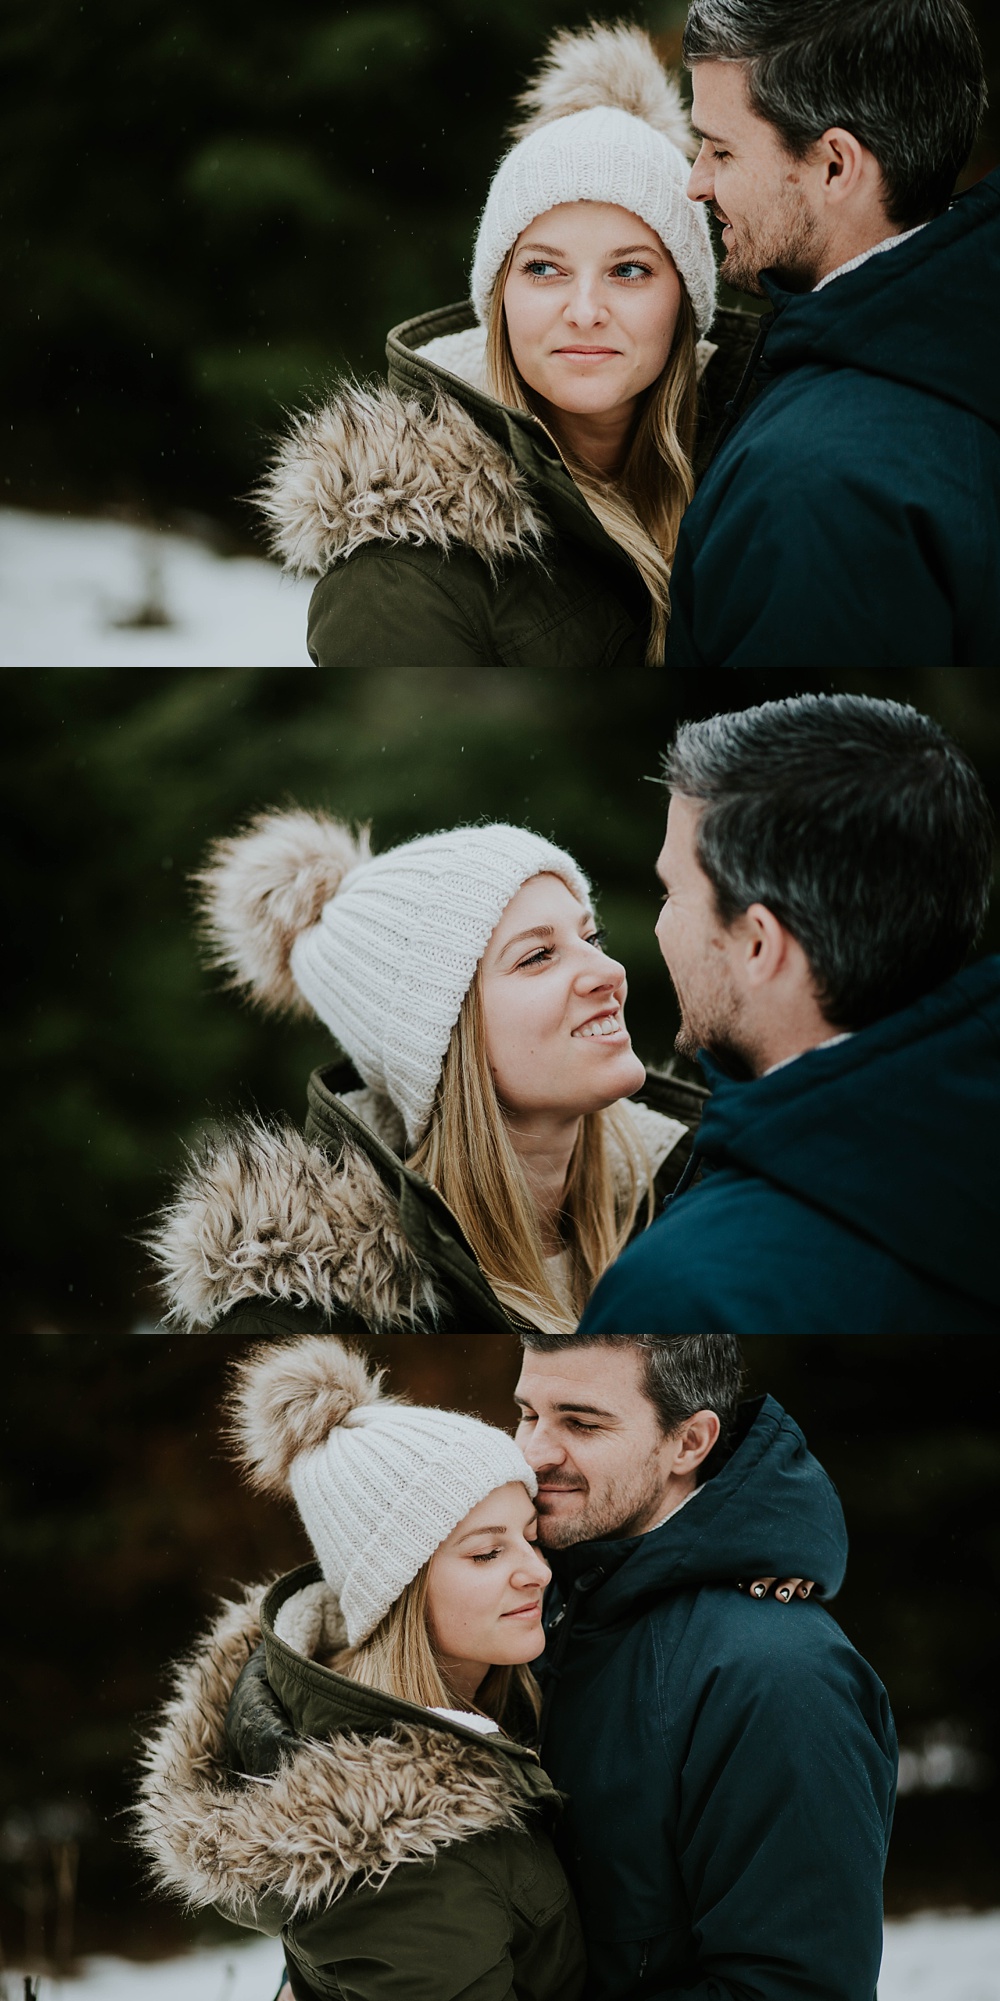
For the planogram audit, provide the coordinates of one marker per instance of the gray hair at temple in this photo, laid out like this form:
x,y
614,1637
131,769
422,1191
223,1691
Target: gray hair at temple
x,y
905,77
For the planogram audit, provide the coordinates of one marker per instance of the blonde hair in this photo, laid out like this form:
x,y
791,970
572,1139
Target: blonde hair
x,y
642,509
468,1157
399,1658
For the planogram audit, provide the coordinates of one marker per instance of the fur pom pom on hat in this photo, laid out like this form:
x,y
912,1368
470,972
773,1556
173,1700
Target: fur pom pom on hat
x,y
261,888
379,1483
603,122
382,948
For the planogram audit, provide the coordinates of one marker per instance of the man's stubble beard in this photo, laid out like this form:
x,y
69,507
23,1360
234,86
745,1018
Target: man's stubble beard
x,y
626,1508
787,247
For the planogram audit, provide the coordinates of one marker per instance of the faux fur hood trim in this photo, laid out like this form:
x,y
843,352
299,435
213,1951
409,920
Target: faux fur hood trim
x,y
346,1809
371,466
262,1214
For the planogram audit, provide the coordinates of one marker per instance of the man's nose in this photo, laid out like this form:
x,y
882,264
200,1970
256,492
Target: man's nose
x,y
701,182
539,1448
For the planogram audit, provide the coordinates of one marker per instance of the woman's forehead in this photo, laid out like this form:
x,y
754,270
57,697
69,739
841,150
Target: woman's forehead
x,y
598,224
544,899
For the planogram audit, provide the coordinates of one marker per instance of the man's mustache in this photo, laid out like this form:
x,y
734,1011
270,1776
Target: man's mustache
x,y
547,1477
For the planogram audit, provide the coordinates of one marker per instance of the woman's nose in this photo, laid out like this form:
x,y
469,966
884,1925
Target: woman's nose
x,y
603,971
585,307
533,1571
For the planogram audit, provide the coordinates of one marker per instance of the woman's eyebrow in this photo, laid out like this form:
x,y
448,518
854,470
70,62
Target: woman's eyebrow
x,y
647,249
469,1533
537,931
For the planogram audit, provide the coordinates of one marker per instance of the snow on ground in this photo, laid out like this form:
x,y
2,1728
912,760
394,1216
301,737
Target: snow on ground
x,y
72,589
927,1958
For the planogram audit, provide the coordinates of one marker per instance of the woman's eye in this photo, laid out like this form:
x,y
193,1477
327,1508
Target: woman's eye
x,y
537,267
596,938
487,1556
537,958
631,271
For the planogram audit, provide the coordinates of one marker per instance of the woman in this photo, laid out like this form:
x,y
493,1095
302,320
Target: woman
x,y
387,1819
482,1155
514,495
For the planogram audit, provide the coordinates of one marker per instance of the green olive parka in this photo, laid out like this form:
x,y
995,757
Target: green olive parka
x,y
444,528
274,1231
399,1855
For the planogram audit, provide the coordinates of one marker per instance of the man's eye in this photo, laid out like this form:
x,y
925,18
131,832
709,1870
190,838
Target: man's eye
x,y
576,1424
716,155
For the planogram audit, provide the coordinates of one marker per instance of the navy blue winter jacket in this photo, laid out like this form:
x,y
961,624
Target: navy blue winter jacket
x,y
852,517
729,1765
854,1191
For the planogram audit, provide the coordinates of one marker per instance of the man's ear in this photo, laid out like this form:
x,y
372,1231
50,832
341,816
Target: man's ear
x,y
694,1441
765,944
848,168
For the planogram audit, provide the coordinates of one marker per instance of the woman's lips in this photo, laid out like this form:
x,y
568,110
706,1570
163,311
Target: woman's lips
x,y
525,1611
588,353
605,1027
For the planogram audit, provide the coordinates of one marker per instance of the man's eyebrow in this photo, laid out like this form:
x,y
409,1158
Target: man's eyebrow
x,y
712,137
585,1409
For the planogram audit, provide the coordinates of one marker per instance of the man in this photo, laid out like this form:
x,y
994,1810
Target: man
x,y
729,1766
826,869
853,504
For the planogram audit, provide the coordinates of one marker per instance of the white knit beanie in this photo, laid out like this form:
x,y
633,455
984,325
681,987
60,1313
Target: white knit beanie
x,y
605,123
382,948
379,1484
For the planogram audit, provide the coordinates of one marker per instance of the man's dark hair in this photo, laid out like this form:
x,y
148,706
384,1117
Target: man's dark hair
x,y
905,76
683,1372
860,824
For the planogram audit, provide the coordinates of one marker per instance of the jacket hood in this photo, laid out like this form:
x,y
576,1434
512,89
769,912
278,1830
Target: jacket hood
x,y
924,314
379,1784
893,1132
265,1213
769,1510
262,1214
426,460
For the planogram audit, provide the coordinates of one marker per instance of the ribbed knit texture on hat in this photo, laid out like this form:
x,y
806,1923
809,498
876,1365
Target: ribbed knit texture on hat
x,y
393,955
384,1492
600,155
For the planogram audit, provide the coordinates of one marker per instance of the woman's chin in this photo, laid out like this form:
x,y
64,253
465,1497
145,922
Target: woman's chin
x,y
623,1076
517,1649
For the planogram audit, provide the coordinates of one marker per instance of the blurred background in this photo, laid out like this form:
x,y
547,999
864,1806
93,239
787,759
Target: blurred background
x,y
205,214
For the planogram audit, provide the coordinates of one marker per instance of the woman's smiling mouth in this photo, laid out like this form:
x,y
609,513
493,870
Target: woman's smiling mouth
x,y
602,1026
